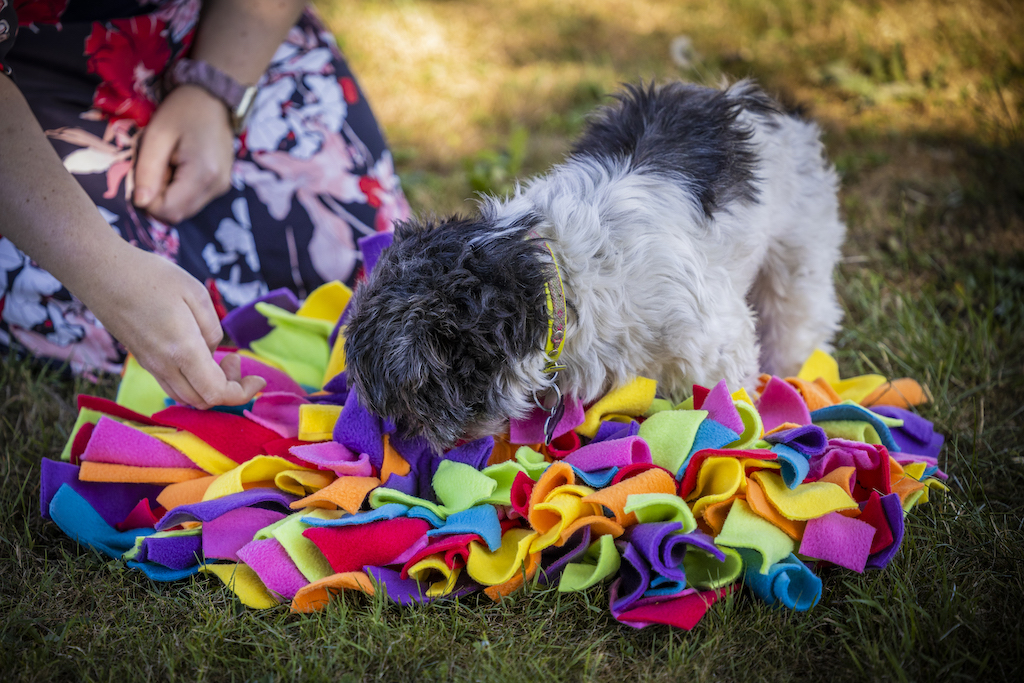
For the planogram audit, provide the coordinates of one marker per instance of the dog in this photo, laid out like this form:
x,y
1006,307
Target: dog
x,y
690,236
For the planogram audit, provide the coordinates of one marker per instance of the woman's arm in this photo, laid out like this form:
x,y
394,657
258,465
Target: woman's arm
x,y
157,310
186,152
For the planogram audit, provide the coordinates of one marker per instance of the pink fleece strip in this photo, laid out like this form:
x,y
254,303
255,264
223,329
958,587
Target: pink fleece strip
x,y
278,411
119,444
781,403
844,541
604,454
721,409
531,429
332,455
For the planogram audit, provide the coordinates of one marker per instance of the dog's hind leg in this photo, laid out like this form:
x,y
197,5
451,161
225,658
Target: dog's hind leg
x,y
795,301
793,293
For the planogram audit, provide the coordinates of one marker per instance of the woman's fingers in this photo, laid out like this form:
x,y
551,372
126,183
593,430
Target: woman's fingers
x,y
185,156
153,165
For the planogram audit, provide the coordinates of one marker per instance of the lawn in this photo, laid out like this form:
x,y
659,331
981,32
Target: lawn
x,y
922,106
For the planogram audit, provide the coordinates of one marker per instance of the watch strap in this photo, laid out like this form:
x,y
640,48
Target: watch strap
x,y
216,82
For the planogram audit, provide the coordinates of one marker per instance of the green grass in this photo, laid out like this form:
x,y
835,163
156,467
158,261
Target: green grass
x,y
922,104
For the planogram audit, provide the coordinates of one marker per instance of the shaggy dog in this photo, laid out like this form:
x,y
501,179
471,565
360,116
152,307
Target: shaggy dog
x,y
692,233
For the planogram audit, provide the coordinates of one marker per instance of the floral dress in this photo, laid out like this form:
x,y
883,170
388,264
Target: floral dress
x,y
312,172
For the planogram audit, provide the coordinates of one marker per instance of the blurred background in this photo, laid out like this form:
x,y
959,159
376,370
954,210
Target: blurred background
x,y
921,100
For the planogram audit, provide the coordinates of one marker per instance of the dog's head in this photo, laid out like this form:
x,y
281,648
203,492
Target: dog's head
x,y
446,335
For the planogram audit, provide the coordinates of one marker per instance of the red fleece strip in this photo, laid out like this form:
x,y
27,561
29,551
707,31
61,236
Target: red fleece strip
x,y
873,514
81,441
699,394
350,548
455,549
280,449
108,407
237,437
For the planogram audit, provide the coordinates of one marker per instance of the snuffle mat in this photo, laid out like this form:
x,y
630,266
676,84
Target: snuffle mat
x,y
303,494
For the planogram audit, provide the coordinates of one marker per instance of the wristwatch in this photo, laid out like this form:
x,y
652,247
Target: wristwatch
x,y
238,98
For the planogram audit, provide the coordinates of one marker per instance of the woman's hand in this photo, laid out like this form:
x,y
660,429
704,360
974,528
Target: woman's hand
x,y
185,156
165,317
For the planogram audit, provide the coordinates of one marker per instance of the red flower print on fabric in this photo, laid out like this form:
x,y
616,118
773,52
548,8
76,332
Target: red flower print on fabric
x,y
349,89
39,11
130,56
372,189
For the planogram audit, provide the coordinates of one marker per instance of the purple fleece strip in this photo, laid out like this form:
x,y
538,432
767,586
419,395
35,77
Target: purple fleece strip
x,y
810,440
245,324
415,451
360,431
409,591
605,454
372,246
473,453
554,559
338,384
634,577
332,399
610,429
661,547
113,501
223,536
173,552
212,509
917,435
893,510
406,483
701,540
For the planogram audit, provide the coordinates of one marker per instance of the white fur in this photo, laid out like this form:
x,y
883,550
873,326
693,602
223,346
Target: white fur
x,y
660,290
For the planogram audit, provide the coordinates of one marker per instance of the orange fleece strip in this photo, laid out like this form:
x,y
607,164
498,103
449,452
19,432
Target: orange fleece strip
x,y
110,472
185,492
347,493
315,596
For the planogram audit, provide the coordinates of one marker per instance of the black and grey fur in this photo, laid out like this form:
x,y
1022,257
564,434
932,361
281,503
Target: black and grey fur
x,y
696,231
